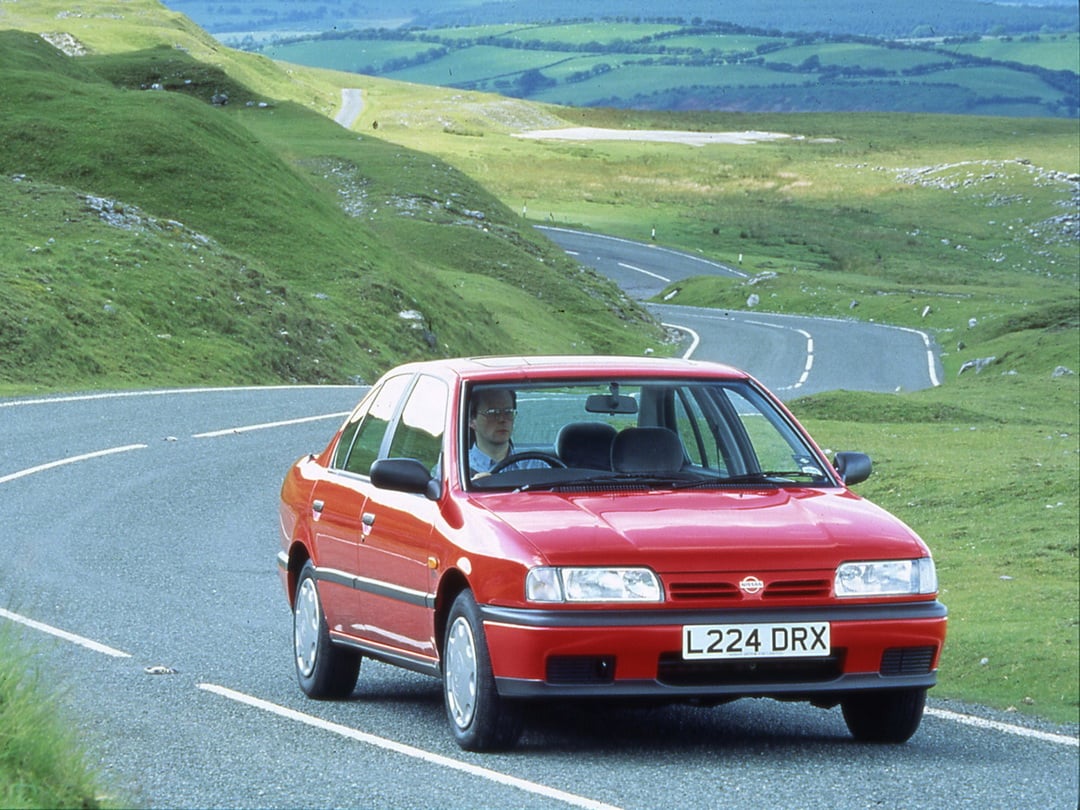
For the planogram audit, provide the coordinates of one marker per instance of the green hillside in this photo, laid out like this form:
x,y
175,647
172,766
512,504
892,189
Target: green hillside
x,y
151,236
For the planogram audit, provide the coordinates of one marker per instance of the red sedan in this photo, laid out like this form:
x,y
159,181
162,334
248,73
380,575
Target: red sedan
x,y
537,528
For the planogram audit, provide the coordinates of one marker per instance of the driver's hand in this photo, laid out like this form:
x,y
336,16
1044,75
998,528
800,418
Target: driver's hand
x,y
481,475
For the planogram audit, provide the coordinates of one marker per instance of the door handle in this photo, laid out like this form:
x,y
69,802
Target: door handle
x,y
317,506
367,519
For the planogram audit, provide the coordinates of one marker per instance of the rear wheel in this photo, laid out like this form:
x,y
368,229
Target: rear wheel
x,y
479,718
884,717
324,670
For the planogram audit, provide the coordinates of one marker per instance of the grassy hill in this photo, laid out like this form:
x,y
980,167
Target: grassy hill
x,y
151,237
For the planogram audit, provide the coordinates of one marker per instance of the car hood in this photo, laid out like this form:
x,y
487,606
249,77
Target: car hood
x,y
760,529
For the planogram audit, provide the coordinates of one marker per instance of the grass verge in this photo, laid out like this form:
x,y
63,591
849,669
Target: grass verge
x,y
42,764
991,485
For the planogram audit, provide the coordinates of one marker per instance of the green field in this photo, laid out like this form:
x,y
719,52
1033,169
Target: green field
x,y
372,56
713,66
599,32
150,238
1053,52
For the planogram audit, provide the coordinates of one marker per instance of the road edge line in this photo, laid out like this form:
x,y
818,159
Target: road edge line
x,y
407,750
1007,728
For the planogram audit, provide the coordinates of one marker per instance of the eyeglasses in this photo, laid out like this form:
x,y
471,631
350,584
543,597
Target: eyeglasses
x,y
495,413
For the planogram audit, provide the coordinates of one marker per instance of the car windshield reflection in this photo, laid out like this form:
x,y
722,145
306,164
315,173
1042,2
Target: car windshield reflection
x,y
631,433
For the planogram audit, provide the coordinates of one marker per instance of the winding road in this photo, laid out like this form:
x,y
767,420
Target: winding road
x,y
140,530
792,355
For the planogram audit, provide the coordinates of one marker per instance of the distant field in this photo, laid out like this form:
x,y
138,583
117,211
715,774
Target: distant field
x,y
371,56
724,43
1055,52
856,54
685,67
913,18
628,83
599,32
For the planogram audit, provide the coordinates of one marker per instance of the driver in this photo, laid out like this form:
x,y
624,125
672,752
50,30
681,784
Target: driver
x,y
491,418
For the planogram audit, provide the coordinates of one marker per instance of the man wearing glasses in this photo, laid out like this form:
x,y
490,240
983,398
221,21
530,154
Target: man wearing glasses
x,y
491,418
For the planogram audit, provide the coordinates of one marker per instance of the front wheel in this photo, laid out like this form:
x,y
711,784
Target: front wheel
x,y
884,717
479,718
324,670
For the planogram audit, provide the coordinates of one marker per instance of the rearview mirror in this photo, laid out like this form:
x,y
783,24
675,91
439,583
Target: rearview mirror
x,y
610,403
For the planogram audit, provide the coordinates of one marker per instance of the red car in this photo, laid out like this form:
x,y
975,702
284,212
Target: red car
x,y
530,528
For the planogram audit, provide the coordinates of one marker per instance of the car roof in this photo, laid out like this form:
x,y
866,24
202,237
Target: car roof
x,y
537,367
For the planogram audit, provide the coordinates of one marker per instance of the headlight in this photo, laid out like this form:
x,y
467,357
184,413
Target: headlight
x,y
886,578
592,585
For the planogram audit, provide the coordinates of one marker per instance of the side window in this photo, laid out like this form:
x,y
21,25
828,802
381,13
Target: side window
x,y
371,427
348,434
419,432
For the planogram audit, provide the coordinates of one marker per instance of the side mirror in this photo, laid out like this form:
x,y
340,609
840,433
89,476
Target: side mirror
x,y
854,468
405,475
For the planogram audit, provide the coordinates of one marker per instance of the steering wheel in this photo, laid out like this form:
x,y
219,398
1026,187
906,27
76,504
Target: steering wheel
x,y
548,458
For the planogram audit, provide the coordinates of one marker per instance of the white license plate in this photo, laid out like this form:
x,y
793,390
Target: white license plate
x,y
789,640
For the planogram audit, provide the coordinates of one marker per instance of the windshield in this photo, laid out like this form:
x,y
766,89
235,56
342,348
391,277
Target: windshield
x,y
604,433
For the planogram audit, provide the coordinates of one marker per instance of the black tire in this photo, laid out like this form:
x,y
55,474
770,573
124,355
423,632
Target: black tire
x,y
479,718
884,717
324,670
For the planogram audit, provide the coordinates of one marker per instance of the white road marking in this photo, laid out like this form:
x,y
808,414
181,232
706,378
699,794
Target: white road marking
x,y
809,352
90,644
70,460
246,428
930,358
1007,728
695,338
162,392
408,750
646,272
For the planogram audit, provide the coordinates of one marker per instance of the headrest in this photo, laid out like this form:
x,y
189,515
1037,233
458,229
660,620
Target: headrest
x,y
646,449
586,444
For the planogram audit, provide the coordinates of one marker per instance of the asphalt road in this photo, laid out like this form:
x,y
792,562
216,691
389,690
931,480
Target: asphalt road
x,y
139,541
794,356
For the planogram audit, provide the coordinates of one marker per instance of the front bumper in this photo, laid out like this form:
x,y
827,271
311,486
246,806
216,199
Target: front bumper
x,y
637,653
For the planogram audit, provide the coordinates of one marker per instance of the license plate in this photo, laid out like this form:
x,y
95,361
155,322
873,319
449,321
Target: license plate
x,y
790,640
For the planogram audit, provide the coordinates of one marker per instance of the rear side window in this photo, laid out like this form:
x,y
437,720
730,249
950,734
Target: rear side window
x,y
363,436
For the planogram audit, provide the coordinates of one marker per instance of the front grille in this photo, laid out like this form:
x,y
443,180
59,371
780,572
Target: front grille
x,y
674,671
729,590
580,669
907,660
702,590
798,588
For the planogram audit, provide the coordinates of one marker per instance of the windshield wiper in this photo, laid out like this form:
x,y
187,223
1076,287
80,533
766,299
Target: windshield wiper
x,y
773,477
608,479
678,481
